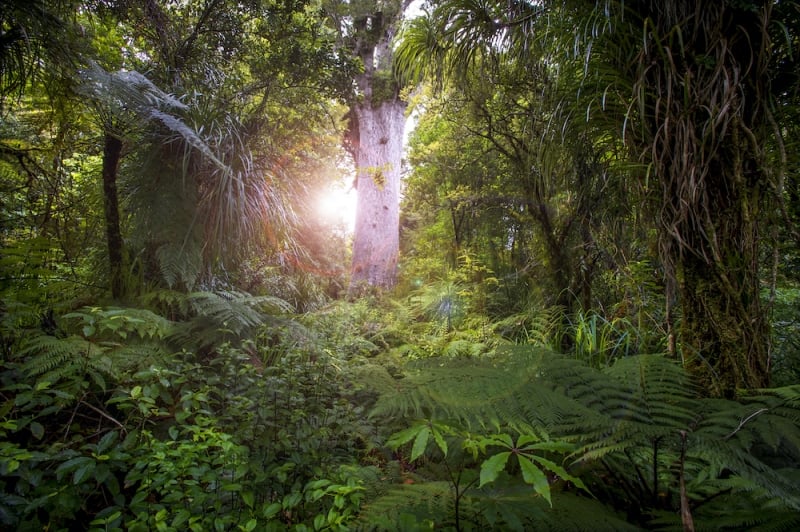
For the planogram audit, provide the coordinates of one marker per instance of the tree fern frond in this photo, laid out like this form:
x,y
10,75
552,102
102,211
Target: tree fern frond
x,y
505,506
224,315
641,418
44,353
409,503
179,264
536,327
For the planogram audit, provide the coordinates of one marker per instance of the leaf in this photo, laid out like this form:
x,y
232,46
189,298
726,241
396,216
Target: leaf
x,y
83,472
106,441
491,467
271,510
181,518
71,465
534,476
420,443
560,471
37,430
440,441
399,439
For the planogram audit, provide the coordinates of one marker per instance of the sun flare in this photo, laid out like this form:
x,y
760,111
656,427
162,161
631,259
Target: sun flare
x,y
337,206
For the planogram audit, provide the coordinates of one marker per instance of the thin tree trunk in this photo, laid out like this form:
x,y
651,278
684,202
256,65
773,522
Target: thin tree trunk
x,y
112,152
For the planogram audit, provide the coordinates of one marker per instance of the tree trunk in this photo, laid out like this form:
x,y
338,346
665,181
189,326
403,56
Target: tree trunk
x,y
707,151
376,143
112,153
378,156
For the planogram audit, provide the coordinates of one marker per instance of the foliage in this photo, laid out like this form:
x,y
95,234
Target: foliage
x,y
553,240
636,433
104,428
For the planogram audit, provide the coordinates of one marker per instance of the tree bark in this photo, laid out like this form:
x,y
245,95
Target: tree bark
x,y
376,135
376,242
112,153
706,147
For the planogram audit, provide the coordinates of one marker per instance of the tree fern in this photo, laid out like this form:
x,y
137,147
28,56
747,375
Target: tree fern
x,y
639,426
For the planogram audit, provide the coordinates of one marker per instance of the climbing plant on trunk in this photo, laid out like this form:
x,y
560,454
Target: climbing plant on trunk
x,y
701,84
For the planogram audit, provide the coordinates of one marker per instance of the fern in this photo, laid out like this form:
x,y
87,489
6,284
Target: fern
x,y
506,506
639,426
72,360
224,315
537,327
179,265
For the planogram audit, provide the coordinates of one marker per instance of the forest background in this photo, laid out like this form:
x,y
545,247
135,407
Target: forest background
x,y
586,316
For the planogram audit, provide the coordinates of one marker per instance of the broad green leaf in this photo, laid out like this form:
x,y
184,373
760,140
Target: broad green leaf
x,y
181,518
491,467
534,476
527,439
420,443
271,510
83,472
106,441
6,408
503,440
553,446
404,436
440,441
560,471
71,465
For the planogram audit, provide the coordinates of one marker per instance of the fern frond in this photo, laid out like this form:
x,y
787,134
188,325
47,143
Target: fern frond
x,y
44,353
179,264
223,315
641,418
505,506
50,360
410,504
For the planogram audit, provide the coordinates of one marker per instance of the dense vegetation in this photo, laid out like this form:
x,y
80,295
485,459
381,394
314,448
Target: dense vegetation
x,y
595,323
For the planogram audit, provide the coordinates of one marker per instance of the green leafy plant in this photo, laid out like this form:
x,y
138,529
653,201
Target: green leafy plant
x,y
636,433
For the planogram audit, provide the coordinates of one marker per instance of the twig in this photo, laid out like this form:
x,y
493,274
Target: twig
x,y
105,415
744,421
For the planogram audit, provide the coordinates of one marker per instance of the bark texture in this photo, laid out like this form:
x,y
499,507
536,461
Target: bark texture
x,y
377,121
705,127
376,242
112,152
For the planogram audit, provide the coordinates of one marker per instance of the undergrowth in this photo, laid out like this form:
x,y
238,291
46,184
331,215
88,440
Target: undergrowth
x,y
224,411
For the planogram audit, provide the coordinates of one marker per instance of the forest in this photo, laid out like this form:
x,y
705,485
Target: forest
x,y
399,265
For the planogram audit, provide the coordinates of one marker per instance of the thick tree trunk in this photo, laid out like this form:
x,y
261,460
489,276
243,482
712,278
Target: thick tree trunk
x,y
378,155
706,147
112,152
376,135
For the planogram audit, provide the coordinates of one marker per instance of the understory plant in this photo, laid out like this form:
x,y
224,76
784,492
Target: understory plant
x,y
506,439
104,426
